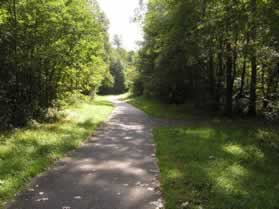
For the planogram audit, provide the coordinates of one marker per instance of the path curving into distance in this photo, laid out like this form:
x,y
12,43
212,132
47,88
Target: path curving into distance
x,y
115,169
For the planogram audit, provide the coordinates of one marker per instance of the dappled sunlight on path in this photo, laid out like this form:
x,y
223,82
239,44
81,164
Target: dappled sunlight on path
x,y
115,169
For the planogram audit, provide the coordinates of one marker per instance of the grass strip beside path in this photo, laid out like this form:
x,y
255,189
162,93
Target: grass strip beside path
x,y
167,111
24,153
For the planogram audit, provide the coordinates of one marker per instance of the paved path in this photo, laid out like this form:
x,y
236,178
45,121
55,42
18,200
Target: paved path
x,y
115,169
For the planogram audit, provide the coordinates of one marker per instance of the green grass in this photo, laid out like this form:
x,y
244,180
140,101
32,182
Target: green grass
x,y
168,111
215,163
24,153
214,166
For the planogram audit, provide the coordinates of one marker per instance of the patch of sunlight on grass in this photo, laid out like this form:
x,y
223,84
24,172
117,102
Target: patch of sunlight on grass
x,y
237,170
230,179
174,173
255,153
24,153
234,149
247,152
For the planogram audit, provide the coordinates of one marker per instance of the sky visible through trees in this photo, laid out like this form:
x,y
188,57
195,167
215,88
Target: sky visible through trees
x,y
120,14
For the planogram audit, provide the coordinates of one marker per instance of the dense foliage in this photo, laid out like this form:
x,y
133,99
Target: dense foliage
x,y
48,49
220,54
122,71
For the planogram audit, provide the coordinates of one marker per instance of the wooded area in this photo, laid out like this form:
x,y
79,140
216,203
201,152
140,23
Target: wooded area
x,y
121,69
49,50
222,55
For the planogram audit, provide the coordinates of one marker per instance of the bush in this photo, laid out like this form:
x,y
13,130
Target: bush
x,y
137,87
72,98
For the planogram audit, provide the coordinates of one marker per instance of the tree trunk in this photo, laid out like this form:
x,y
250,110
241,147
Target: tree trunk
x,y
203,7
253,84
220,75
264,92
16,85
229,78
212,80
235,57
243,74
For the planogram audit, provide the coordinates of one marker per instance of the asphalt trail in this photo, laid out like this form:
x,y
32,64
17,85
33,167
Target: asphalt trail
x,y
115,169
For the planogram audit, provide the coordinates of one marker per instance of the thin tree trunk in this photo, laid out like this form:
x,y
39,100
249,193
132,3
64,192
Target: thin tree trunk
x,y
277,79
229,78
253,84
203,5
220,74
212,80
235,57
243,75
263,82
14,23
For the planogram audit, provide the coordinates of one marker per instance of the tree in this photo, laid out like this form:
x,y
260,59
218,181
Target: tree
x,y
253,83
211,53
117,41
48,50
121,70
